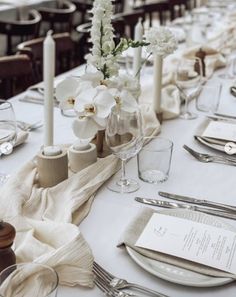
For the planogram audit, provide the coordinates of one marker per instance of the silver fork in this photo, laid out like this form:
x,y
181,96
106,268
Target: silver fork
x,y
119,283
29,127
108,290
210,158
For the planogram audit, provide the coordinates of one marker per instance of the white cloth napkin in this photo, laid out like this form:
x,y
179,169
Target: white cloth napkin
x,y
135,228
21,137
45,218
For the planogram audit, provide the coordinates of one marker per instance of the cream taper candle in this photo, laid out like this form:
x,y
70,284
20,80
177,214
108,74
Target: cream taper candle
x,y
158,61
48,78
138,36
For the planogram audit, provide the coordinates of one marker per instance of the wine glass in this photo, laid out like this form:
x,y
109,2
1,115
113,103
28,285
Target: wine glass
x,y
188,79
124,136
227,52
7,132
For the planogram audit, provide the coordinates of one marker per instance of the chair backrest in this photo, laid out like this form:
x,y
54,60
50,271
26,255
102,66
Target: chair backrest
x,y
15,74
176,8
82,9
64,54
25,29
129,21
60,18
160,8
118,6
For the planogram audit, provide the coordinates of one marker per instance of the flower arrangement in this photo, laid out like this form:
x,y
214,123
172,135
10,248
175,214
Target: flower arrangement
x,y
94,94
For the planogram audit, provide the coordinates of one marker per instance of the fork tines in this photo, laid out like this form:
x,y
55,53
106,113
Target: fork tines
x,y
101,272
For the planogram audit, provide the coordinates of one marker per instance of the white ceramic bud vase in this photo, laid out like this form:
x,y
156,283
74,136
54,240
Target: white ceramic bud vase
x,y
158,64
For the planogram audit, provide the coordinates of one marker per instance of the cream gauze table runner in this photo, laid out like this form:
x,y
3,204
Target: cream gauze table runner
x,y
46,219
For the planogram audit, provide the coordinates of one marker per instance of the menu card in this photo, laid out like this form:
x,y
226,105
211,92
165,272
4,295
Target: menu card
x,y
220,130
193,241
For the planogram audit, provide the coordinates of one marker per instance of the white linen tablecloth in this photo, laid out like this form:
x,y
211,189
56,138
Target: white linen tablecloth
x,y
111,212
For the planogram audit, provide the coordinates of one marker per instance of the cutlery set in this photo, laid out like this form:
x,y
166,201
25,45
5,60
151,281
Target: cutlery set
x,y
206,158
213,208
113,286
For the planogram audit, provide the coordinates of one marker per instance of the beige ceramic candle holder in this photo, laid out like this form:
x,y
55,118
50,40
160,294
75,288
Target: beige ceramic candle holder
x,y
79,158
52,169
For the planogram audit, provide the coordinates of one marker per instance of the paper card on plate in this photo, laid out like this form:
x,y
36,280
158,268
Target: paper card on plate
x,y
220,130
193,241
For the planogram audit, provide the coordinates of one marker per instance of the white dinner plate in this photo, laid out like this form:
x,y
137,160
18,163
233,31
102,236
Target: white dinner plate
x,y
180,275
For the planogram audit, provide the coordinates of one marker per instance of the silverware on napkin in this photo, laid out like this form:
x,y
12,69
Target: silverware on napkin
x,y
175,205
202,202
206,158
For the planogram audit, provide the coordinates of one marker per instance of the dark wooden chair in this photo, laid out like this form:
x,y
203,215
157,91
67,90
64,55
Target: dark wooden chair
x,y
176,8
58,19
158,9
84,43
124,23
118,6
64,54
15,75
26,29
82,11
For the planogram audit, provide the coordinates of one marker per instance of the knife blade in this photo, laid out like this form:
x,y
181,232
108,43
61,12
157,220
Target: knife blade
x,y
202,202
175,205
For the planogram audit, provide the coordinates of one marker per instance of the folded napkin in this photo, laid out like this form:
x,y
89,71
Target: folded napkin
x,y
35,95
45,218
213,60
170,103
135,228
21,137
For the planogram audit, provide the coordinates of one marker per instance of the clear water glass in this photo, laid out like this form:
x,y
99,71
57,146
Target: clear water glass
x,y
7,127
27,280
209,98
154,160
124,136
7,133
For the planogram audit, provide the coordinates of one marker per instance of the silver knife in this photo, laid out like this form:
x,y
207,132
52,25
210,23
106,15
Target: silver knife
x,y
176,205
225,207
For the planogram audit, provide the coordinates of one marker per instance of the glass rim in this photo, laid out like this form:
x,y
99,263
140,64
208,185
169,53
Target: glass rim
x,y
2,102
35,264
169,143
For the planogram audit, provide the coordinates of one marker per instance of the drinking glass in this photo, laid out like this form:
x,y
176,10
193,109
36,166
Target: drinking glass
x,y
27,280
7,132
227,52
124,136
188,79
7,127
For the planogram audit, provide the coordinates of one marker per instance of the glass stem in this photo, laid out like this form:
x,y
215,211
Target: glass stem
x,y
186,105
123,180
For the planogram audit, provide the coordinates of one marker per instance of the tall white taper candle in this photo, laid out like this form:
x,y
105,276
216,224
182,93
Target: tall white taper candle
x,y
48,78
138,36
158,59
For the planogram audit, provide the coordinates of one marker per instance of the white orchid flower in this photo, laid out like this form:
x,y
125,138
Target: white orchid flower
x,y
85,128
124,100
95,78
66,92
93,107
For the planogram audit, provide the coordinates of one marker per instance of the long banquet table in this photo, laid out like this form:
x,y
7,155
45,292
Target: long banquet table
x,y
111,212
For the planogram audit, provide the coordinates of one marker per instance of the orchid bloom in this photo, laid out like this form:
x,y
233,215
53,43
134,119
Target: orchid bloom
x,y
66,92
93,107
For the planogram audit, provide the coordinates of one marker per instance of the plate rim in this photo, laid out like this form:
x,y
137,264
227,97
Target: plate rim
x,y
214,281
